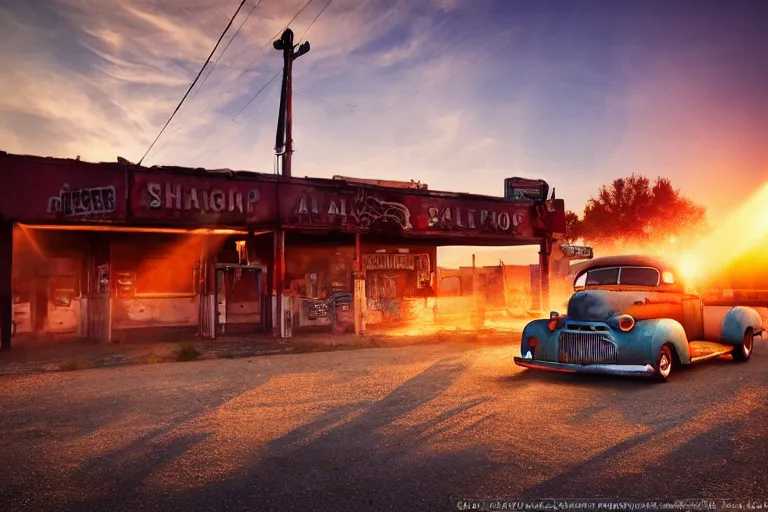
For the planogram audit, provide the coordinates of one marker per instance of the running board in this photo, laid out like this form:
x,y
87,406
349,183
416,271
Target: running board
x,y
704,350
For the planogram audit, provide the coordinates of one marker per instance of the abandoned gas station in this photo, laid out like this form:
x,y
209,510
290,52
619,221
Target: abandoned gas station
x,y
90,249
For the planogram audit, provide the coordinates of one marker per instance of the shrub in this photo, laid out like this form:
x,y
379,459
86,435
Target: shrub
x,y
187,353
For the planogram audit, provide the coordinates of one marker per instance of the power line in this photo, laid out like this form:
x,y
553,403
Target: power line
x,y
388,110
273,37
258,114
192,85
213,66
314,21
257,93
234,137
277,34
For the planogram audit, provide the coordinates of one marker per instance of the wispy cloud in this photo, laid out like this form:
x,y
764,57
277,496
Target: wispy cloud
x,y
457,93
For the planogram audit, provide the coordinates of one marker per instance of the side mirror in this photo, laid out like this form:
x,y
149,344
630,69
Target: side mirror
x,y
553,315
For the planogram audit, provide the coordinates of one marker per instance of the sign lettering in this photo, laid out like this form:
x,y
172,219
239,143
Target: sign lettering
x,y
365,211
83,202
489,220
175,197
390,262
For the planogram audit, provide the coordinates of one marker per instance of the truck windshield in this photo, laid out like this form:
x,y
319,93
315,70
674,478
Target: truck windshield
x,y
639,276
629,276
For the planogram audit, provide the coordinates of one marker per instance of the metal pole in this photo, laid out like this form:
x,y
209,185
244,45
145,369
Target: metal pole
x,y
358,296
288,154
279,270
6,283
545,250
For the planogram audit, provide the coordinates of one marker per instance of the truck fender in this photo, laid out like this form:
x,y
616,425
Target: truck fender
x,y
670,331
736,322
538,329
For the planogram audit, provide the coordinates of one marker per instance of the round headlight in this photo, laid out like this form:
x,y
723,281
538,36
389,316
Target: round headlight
x,y
626,323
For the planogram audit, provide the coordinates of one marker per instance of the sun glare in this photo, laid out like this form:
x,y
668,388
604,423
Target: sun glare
x,y
688,266
732,238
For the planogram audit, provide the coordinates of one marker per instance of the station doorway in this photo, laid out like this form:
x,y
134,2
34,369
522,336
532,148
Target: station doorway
x,y
241,297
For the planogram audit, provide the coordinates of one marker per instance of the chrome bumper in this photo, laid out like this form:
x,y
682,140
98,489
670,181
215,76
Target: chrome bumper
x,y
605,369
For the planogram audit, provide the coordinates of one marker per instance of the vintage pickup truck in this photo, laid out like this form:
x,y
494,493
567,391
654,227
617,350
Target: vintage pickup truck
x,y
632,315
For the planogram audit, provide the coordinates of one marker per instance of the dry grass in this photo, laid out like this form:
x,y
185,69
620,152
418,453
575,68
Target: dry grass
x,y
187,353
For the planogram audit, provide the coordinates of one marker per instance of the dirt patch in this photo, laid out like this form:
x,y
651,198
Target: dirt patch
x,y
77,356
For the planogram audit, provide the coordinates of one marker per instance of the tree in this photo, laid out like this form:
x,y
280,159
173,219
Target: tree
x,y
572,227
632,211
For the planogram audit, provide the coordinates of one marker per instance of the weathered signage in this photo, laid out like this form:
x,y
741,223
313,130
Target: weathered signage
x,y
470,216
389,261
74,191
359,210
525,189
486,219
51,190
174,196
83,202
578,251
209,200
376,209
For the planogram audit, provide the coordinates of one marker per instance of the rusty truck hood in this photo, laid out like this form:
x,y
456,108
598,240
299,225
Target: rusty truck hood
x,y
600,305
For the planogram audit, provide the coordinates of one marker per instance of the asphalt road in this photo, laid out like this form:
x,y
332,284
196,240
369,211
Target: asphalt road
x,y
411,428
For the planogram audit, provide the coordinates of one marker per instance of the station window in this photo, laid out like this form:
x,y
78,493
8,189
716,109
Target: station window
x,y
167,268
165,276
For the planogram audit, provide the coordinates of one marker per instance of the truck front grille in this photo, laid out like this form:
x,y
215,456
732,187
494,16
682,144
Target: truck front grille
x,y
585,348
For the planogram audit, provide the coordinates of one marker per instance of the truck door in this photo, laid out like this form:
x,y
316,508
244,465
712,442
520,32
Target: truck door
x,y
693,321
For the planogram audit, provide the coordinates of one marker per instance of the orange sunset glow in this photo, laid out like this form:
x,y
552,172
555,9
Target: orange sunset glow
x,y
731,238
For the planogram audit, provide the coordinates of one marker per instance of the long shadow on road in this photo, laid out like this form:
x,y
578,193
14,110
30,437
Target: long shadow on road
x,y
117,471
356,463
720,462
398,453
703,434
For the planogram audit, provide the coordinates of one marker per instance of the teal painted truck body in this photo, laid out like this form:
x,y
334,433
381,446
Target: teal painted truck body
x,y
626,314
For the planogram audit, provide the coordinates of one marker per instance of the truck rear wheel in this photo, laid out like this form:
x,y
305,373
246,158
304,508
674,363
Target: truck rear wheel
x,y
743,351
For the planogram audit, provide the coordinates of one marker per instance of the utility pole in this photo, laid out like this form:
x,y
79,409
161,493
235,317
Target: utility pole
x,y
284,139
284,152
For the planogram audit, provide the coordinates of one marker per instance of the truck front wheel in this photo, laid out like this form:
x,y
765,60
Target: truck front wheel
x,y
664,363
743,351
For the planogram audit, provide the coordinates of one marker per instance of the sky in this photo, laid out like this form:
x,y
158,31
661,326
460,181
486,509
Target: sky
x,y
458,94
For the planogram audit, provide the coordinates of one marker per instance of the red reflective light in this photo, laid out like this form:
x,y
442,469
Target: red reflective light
x,y
532,342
